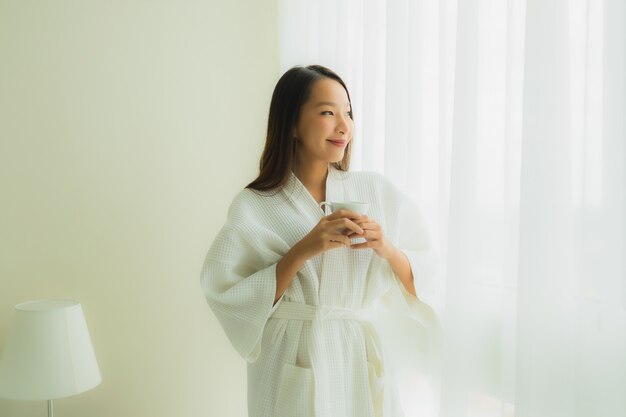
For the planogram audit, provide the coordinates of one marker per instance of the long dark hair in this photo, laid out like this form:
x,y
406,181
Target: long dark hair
x,y
290,93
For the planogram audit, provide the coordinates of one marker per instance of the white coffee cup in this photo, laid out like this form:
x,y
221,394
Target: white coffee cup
x,y
356,206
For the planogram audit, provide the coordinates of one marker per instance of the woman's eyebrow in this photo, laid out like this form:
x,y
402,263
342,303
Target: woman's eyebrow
x,y
329,103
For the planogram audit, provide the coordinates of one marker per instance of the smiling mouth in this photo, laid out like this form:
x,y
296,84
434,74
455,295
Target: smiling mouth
x,y
339,143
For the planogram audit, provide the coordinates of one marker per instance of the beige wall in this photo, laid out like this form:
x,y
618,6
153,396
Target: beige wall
x,y
126,127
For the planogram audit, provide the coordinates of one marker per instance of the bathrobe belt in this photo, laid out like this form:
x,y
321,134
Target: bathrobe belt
x,y
317,315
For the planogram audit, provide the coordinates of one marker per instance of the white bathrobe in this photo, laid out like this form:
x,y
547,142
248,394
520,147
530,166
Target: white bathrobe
x,y
320,351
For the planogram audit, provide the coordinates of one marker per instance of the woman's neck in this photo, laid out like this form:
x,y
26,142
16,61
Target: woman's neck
x,y
313,177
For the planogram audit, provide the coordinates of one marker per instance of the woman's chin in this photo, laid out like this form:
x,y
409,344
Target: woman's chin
x,y
336,158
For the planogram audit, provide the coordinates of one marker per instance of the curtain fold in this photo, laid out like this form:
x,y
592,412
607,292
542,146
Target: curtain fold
x,y
505,122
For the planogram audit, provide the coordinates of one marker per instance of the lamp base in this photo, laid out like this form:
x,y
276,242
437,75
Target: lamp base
x,y
50,409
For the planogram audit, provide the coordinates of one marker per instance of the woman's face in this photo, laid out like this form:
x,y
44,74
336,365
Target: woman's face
x,y
324,126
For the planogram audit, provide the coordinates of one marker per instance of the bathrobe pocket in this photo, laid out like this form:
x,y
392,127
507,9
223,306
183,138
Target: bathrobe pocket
x,y
295,392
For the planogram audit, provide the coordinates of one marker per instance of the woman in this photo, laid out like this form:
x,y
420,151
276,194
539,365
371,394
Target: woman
x,y
297,291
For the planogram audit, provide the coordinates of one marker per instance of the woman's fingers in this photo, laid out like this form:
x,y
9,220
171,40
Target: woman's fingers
x,y
364,245
348,214
367,235
343,223
369,225
373,235
337,230
339,239
375,243
370,230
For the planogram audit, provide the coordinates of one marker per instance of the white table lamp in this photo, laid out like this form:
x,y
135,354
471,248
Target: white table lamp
x,y
47,353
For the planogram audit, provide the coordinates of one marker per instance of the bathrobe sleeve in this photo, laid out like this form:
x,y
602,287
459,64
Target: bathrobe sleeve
x,y
239,278
415,242
407,231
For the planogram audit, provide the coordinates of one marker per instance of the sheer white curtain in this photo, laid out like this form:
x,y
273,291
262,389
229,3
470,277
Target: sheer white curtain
x,y
504,120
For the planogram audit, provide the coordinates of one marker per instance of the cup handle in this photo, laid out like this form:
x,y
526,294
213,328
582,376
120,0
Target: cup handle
x,y
325,204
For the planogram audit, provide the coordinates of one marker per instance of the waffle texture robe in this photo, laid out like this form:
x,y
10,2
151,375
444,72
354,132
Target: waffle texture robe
x,y
321,350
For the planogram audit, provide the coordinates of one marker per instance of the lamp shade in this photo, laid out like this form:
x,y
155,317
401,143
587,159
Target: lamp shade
x,y
47,353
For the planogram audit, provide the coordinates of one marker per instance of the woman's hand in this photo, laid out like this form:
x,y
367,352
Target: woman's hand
x,y
331,232
374,238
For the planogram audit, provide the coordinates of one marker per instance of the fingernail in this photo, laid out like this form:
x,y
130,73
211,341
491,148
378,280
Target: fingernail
x,y
361,231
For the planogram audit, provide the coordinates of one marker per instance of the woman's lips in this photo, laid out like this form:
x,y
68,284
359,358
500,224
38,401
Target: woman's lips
x,y
339,143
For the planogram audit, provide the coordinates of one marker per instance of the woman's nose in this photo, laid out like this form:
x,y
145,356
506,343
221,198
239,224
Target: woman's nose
x,y
343,125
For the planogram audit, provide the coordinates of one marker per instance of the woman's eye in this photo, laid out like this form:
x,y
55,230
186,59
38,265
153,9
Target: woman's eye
x,y
327,112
